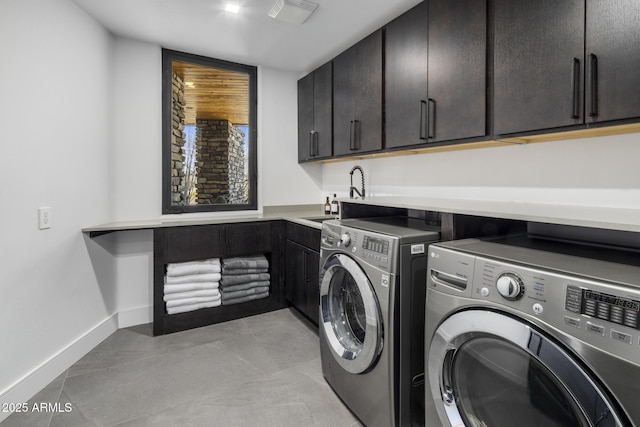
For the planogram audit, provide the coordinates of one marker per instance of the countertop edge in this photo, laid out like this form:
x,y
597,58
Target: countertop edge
x,y
300,214
622,219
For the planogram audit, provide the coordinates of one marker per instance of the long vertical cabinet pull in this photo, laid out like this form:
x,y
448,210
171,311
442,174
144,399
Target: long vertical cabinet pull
x,y
354,135
304,266
593,84
432,118
423,119
313,144
575,88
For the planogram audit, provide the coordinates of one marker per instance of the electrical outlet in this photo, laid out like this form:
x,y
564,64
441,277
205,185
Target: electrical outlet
x,y
44,218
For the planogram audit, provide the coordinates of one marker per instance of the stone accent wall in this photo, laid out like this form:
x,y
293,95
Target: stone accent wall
x,y
177,141
221,163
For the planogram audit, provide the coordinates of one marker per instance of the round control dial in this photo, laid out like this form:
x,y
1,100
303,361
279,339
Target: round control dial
x,y
345,239
510,286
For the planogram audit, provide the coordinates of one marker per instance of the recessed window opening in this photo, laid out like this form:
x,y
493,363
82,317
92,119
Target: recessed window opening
x,y
209,134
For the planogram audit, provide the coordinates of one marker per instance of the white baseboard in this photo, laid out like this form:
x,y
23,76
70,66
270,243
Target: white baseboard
x,y
135,316
27,387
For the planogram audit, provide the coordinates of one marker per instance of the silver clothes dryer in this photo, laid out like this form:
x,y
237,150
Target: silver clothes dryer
x,y
532,332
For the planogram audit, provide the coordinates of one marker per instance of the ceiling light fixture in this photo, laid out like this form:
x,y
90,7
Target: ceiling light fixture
x,y
292,11
232,8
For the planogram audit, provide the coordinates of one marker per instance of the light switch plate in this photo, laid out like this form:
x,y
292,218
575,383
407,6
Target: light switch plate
x,y
44,218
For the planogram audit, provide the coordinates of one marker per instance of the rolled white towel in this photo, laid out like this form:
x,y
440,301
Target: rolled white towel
x,y
194,267
190,278
192,294
191,301
185,287
186,308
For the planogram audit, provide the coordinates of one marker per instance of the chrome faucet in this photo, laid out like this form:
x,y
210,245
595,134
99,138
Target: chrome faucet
x,y
352,188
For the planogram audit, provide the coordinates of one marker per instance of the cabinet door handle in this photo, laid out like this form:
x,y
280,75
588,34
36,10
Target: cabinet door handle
x,y
313,151
423,119
315,143
354,135
432,119
593,84
304,266
575,88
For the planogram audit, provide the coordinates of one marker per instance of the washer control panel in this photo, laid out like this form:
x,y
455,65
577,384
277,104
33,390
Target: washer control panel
x,y
377,249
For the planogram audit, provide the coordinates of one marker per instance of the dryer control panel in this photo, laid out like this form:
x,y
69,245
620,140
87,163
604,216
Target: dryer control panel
x,y
605,314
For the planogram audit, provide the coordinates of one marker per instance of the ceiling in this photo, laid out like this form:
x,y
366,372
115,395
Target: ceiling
x,y
251,37
213,93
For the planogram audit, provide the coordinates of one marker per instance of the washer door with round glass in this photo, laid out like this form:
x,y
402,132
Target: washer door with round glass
x,y
490,369
351,317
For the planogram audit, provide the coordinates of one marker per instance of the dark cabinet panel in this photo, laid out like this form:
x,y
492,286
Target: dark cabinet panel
x,y
357,97
294,292
315,114
305,117
246,238
301,279
613,60
302,269
538,59
193,242
311,277
435,73
323,111
406,96
457,103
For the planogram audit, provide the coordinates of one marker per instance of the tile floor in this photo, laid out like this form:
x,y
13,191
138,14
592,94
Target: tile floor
x,y
261,370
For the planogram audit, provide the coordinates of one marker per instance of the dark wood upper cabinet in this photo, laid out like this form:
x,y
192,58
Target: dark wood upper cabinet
x,y
457,104
435,73
315,114
538,63
406,91
613,60
357,97
305,118
455,71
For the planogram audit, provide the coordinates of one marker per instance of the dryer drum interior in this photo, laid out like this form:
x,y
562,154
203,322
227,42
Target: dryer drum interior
x,y
489,368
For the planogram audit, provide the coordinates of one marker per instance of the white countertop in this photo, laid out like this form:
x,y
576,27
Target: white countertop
x,y
576,215
301,214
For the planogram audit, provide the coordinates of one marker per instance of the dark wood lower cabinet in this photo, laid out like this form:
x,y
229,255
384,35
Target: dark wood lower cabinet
x,y
301,279
302,288
190,243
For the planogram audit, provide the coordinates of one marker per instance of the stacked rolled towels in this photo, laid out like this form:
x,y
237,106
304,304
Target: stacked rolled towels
x,y
244,279
192,285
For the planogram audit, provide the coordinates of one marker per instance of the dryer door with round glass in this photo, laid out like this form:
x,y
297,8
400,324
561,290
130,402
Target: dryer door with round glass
x,y
351,318
490,369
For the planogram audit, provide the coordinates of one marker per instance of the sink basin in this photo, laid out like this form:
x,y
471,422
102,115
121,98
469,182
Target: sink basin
x,y
317,219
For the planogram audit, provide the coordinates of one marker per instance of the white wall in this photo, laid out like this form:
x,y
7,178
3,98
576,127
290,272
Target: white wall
x,y
599,171
282,180
56,285
137,160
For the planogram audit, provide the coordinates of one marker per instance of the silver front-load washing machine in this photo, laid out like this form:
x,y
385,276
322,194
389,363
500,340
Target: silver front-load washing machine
x,y
372,287
530,332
